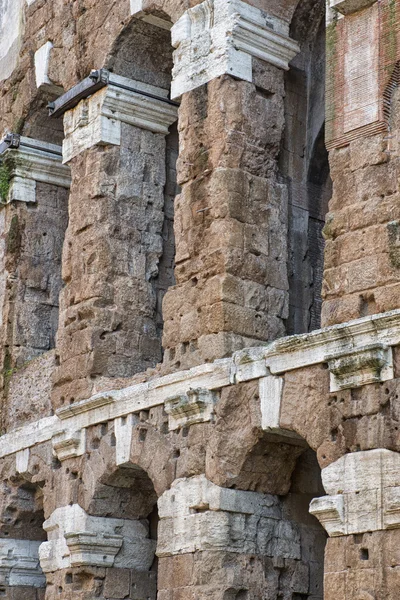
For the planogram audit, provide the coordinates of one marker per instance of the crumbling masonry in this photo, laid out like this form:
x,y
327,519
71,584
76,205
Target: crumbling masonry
x,y
200,299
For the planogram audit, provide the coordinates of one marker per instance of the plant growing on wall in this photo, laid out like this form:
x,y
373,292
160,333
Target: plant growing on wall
x,y
5,176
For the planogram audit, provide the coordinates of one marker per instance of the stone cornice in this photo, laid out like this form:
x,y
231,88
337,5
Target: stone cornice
x,y
276,358
219,37
347,7
34,161
97,120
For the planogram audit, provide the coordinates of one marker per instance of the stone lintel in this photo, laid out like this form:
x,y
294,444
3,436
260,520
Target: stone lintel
x,y
31,162
19,564
78,539
219,37
196,406
347,7
138,10
277,358
364,493
197,515
96,121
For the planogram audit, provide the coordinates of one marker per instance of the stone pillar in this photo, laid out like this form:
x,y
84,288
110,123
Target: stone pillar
x,y
362,517
20,572
362,229
115,145
34,192
106,557
231,217
222,543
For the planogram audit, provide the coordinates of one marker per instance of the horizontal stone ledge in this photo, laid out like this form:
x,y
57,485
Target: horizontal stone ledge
x,y
30,161
272,359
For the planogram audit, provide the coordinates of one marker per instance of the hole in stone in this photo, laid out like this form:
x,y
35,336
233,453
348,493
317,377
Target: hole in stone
x,y
364,554
68,578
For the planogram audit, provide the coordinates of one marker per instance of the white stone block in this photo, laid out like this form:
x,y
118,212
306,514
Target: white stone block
x,y
42,64
271,389
123,429
220,37
11,31
19,563
76,539
22,461
364,492
97,119
197,515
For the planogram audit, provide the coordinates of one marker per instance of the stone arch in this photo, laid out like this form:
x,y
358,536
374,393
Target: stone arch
x,y
21,532
304,163
136,168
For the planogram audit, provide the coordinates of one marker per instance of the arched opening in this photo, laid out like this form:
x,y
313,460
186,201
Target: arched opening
x,y
33,221
21,533
305,167
143,52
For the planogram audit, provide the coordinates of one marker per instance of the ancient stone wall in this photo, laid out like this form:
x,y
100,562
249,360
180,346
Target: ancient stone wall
x,y
162,437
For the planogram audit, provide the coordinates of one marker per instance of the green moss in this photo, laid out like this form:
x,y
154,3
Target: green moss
x,y
5,178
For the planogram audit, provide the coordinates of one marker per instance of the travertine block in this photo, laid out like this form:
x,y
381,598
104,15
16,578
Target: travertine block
x,y
19,564
221,37
364,490
77,539
32,162
197,515
97,120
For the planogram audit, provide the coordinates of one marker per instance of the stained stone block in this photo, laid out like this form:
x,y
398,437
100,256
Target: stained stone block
x,y
221,37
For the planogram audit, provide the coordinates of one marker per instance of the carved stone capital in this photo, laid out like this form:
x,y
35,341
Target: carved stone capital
x,y
30,162
364,493
96,121
196,406
19,564
219,37
78,539
372,364
69,444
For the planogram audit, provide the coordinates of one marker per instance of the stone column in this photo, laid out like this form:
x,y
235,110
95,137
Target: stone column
x,y
231,217
115,145
362,517
106,557
34,193
222,543
362,231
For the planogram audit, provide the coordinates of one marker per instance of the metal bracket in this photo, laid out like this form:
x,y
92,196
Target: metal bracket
x,y
10,141
96,81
